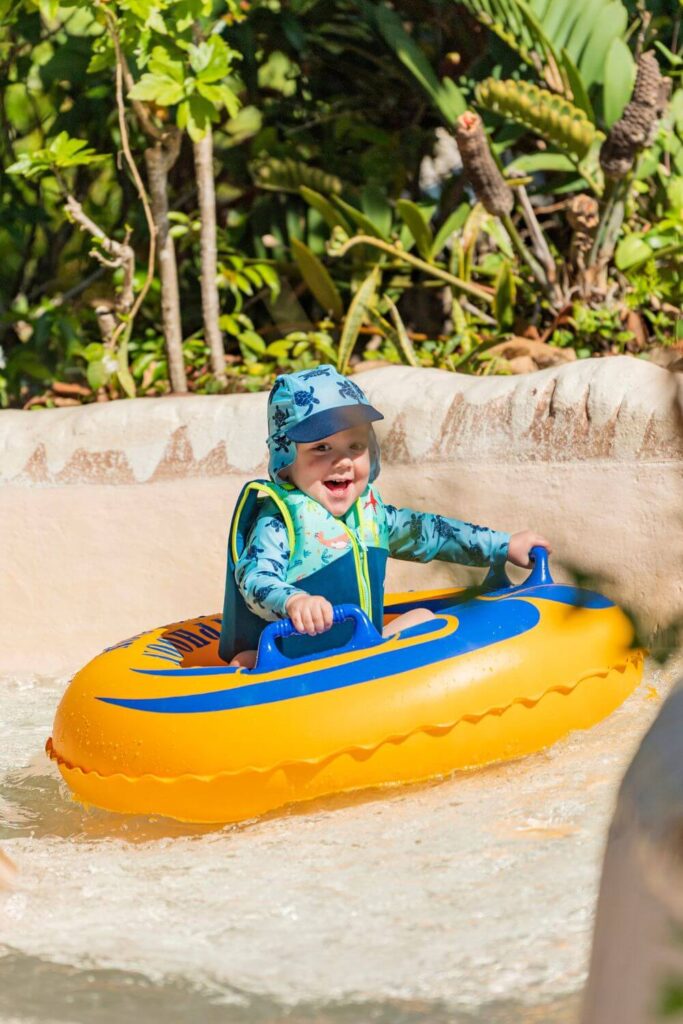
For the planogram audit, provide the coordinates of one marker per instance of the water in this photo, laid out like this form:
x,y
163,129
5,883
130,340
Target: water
x,y
468,902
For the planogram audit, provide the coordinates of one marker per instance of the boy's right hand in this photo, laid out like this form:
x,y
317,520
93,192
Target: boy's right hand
x,y
309,614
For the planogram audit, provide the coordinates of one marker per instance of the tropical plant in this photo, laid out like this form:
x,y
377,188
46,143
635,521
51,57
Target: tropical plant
x,y
323,239
609,161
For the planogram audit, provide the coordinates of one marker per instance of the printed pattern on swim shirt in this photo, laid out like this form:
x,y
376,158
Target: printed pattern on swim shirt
x,y
264,566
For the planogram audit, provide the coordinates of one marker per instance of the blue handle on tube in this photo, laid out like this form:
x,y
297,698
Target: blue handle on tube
x,y
540,573
270,657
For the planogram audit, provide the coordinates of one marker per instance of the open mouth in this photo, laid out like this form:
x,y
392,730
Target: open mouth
x,y
338,486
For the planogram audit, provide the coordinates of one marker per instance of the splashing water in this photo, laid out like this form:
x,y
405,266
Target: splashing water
x,y
469,901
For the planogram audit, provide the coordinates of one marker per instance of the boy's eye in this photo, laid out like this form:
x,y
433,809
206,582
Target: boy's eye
x,y
322,448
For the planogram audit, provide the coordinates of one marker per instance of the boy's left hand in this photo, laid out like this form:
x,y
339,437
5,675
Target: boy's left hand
x,y
521,544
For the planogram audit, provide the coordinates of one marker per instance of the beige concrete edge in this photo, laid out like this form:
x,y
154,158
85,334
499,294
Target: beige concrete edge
x,y
591,409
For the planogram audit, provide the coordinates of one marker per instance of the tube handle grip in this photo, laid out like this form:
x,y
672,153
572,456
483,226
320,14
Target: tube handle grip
x,y
270,657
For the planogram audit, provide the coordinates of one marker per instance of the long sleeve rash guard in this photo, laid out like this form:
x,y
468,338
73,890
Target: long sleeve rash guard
x,y
261,572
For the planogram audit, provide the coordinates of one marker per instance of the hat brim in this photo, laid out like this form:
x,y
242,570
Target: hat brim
x,y
331,421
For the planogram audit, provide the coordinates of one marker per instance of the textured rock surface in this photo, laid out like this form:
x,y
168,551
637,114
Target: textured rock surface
x,y
114,516
637,959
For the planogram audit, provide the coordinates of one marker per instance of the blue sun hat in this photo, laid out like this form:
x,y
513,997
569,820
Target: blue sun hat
x,y
310,405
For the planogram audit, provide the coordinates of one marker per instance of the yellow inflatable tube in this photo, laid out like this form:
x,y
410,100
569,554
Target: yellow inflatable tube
x,y
159,725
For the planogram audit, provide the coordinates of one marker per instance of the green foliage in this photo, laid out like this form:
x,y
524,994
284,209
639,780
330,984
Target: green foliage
x,y
362,301
403,340
592,331
106,368
323,115
243,279
551,117
620,75
190,77
292,176
418,226
569,42
504,302
671,1000
444,94
662,241
516,24
60,154
317,278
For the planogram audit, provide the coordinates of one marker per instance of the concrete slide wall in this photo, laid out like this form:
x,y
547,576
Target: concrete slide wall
x,y
113,517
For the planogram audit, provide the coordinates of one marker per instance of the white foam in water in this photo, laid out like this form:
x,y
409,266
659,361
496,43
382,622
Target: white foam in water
x,y
475,892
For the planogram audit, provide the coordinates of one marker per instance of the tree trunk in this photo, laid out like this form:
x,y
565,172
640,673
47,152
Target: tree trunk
x,y
203,159
159,159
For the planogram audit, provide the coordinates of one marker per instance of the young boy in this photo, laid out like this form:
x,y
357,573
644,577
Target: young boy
x,y
319,534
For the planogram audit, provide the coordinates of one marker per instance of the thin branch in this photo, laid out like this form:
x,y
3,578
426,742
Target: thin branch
x,y
142,192
485,317
534,266
111,264
538,239
203,161
110,245
645,19
140,110
478,291
122,254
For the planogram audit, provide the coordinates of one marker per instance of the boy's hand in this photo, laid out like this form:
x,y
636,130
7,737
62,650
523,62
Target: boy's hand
x,y
520,545
309,614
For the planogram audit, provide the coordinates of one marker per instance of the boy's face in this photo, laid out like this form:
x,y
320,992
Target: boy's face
x,y
335,470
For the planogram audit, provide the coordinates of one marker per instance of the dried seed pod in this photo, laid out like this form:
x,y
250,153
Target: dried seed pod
x,y
583,214
648,78
634,130
481,169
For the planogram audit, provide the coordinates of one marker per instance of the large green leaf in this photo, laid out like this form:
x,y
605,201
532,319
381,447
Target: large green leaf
x,y
453,223
362,301
161,89
221,95
317,278
444,94
196,115
367,226
332,217
609,24
417,225
126,381
404,342
531,163
576,27
97,374
504,301
210,60
376,206
631,252
620,75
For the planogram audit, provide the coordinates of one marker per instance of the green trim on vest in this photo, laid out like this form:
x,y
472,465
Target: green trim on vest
x,y
314,537
263,486
341,561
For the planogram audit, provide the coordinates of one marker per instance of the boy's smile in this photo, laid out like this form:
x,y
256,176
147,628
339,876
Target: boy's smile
x,y
335,470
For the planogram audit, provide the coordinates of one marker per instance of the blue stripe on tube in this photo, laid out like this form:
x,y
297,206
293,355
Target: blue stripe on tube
x,y
481,624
